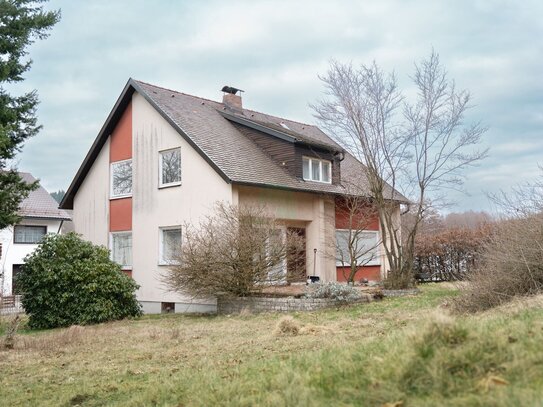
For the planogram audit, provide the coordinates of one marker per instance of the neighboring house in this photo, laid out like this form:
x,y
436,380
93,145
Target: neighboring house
x,y
40,215
164,158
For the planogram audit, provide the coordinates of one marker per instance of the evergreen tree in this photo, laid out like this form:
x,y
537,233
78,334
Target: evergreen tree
x,y
21,23
58,195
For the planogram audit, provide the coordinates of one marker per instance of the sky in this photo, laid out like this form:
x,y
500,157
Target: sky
x,y
275,51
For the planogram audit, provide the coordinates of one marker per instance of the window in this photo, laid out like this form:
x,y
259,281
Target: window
x,y
121,179
317,170
16,270
170,167
170,244
121,249
29,234
366,247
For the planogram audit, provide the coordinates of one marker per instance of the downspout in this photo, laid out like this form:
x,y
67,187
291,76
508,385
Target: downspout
x,y
60,226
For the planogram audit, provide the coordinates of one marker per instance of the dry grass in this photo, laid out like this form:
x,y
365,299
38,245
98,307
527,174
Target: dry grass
x,y
287,325
347,356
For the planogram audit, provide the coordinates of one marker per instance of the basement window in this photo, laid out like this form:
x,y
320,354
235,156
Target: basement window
x,y
317,170
121,179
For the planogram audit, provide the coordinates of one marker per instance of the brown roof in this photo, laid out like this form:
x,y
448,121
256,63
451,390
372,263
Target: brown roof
x,y
39,204
205,125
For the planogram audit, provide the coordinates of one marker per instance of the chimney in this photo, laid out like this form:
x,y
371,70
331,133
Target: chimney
x,y
230,98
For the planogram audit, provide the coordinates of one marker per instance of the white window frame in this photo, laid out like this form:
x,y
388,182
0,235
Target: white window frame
x,y
161,260
28,226
111,193
125,232
318,161
170,184
376,261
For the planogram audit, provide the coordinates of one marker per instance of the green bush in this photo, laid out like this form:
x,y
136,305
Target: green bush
x,y
68,281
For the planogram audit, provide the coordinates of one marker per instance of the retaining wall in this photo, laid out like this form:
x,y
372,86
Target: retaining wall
x,y
271,304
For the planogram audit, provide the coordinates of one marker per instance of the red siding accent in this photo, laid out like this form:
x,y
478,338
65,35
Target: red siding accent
x,y
372,273
120,214
120,147
361,220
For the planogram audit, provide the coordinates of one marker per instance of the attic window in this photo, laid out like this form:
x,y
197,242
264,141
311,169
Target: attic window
x,y
284,125
317,170
170,167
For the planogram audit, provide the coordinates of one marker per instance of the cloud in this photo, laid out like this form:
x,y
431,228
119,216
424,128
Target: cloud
x,y
274,50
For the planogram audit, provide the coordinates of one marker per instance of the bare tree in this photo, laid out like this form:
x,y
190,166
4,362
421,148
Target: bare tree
x,y
420,148
236,251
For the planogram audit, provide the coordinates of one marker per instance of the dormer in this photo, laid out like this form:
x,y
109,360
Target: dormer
x,y
307,160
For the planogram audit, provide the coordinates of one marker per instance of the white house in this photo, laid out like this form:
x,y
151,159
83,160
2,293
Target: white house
x,y
163,158
40,215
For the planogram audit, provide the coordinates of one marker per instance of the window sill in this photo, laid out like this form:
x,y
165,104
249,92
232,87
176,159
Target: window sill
x,y
173,184
318,182
346,265
112,198
126,268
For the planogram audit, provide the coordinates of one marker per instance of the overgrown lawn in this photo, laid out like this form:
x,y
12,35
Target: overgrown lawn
x,y
399,349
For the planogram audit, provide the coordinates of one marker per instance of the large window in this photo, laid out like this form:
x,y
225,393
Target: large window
x,y
365,245
121,249
317,170
170,167
121,179
29,234
170,244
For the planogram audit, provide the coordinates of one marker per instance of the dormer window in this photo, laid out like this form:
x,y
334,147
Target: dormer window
x,y
317,170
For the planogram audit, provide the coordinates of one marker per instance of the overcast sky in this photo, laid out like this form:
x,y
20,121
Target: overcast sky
x,y
275,50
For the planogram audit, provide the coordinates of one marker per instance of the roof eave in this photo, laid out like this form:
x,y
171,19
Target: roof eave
x,y
108,126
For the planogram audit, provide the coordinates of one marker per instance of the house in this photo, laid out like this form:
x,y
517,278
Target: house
x,y
40,215
164,158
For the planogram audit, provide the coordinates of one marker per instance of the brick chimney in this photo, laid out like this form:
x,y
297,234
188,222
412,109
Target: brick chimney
x,y
230,98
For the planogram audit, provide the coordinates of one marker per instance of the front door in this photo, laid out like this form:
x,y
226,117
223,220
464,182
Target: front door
x,y
296,271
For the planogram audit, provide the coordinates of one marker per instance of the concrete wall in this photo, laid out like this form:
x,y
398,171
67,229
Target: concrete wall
x,y
14,253
91,203
155,207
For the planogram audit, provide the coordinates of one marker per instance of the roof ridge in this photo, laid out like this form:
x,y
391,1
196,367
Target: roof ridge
x,y
176,91
220,103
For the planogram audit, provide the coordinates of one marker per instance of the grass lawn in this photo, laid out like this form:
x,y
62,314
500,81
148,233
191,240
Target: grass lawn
x,y
399,350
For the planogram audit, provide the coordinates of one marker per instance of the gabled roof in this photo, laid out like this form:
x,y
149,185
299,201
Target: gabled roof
x,y
208,127
39,204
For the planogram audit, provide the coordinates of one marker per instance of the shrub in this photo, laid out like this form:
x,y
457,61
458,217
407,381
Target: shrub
x,y
512,266
451,254
68,281
335,291
235,251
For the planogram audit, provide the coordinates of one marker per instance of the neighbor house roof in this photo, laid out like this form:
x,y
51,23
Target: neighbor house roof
x,y
208,126
39,204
